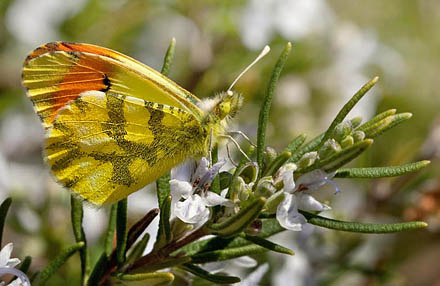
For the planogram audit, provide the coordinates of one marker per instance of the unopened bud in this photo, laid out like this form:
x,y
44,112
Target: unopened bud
x,y
308,159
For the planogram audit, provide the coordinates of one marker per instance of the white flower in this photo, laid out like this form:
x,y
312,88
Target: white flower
x,y
300,198
192,185
7,265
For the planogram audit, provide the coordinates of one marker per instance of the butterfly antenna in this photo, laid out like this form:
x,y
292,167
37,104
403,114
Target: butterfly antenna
x,y
264,52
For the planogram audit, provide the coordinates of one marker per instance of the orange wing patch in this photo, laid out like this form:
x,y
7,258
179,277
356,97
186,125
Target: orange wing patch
x,y
57,73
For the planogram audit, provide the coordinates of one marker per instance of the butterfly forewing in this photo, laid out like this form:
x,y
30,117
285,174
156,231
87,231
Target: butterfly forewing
x,y
56,73
105,146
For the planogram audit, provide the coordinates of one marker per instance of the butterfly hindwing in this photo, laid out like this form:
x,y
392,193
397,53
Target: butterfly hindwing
x,y
58,72
105,146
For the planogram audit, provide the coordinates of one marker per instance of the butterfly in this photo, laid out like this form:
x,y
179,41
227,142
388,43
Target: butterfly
x,y
113,124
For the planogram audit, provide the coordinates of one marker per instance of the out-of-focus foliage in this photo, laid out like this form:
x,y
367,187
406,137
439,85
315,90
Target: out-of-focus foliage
x,y
336,47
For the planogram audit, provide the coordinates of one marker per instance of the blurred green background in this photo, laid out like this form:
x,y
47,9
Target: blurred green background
x,y
337,47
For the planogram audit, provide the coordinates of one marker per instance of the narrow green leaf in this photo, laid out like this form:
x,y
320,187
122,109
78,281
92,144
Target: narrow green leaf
x,y
349,155
53,266
240,221
169,56
76,215
376,119
218,279
138,249
268,244
348,107
296,143
269,228
98,270
228,253
277,163
163,188
310,146
381,172
142,279
165,217
24,267
265,108
121,231
362,227
337,159
4,207
215,185
386,124
139,227
110,232
163,183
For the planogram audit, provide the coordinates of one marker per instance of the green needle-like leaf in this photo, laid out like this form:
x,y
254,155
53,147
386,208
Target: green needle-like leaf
x,y
142,279
296,143
169,56
381,172
386,124
164,232
24,267
376,119
268,244
98,270
348,107
362,227
77,215
163,183
310,146
238,222
4,207
218,279
121,231
277,163
228,253
110,232
138,249
338,159
265,109
53,266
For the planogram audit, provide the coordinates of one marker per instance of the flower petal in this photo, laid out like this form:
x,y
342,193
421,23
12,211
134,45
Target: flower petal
x,y
202,168
192,210
287,177
210,174
308,203
180,189
212,199
5,254
245,261
288,215
183,171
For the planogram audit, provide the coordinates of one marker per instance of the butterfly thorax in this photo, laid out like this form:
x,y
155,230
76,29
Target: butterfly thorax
x,y
218,111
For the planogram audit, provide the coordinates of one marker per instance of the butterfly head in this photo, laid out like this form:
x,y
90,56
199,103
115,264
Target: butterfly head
x,y
228,105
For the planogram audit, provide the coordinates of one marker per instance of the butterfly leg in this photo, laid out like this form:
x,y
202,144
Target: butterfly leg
x,y
229,137
241,133
229,156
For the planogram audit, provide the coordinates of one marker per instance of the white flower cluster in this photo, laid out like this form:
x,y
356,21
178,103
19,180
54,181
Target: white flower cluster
x,y
7,265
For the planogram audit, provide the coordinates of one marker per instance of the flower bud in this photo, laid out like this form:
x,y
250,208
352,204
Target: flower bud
x,y
328,148
358,136
308,159
341,130
347,141
265,187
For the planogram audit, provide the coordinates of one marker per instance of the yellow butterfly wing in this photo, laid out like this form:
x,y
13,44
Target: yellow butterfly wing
x,y
58,72
105,146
